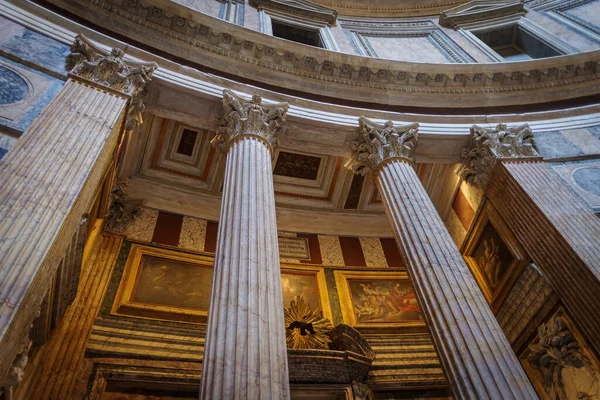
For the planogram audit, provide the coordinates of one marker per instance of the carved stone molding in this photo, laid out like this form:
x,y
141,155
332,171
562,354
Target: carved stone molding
x,y
249,118
302,8
122,210
480,10
488,145
377,143
110,70
232,49
557,350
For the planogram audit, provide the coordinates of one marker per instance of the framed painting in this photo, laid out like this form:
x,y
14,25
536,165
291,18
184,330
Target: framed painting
x,y
494,256
378,300
171,285
164,284
308,282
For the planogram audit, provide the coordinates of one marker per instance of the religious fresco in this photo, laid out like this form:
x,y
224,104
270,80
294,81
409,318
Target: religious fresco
x,y
371,300
173,283
559,363
494,255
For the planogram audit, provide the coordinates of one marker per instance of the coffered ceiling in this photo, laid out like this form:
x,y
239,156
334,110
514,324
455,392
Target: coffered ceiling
x,y
166,157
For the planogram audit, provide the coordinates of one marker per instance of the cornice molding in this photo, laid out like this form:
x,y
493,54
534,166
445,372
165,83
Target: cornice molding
x,y
480,10
235,50
303,8
389,8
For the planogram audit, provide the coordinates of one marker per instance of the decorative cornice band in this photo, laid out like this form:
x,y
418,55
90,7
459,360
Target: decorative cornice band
x,y
236,50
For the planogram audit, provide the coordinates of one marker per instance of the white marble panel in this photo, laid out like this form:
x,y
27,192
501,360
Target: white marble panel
x,y
142,228
193,234
373,252
331,250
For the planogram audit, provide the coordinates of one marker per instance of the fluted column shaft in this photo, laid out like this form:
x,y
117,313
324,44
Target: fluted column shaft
x,y
245,355
477,358
559,232
47,183
48,179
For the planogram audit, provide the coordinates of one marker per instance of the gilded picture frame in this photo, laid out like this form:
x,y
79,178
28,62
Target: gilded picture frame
x,y
317,275
494,255
144,293
379,301
170,285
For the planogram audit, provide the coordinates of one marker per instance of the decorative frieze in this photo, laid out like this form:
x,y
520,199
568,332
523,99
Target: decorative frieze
x,y
488,145
377,143
249,118
110,70
194,36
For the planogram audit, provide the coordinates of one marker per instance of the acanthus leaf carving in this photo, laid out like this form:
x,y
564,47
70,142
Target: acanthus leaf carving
x,y
88,62
567,372
487,145
242,117
377,143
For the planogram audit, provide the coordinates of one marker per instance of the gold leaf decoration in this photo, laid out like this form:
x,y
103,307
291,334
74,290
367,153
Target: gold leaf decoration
x,y
305,328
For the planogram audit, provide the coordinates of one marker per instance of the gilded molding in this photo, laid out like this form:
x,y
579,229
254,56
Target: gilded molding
x,y
378,143
249,118
488,145
110,70
210,42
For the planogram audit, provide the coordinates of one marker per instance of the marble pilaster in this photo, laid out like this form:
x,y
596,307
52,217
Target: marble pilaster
x,y
245,355
556,228
476,356
49,178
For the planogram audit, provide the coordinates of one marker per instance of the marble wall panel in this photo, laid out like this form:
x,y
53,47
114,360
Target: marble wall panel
x,y
25,96
32,46
142,228
193,234
587,12
559,29
585,140
554,144
416,49
331,250
373,252
584,178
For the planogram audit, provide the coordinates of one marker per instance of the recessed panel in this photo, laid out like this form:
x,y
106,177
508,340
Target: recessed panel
x,y
297,166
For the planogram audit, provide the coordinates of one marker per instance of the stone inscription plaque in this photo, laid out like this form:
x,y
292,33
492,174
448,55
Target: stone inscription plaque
x,y
293,247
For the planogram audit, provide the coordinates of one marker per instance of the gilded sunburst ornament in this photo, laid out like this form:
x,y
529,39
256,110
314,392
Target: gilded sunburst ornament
x,y
305,328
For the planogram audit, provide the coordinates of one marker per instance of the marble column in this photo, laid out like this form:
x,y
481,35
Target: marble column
x,y
245,355
476,356
49,177
556,228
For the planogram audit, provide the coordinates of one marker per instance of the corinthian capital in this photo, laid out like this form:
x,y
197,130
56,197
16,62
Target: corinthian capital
x,y
110,70
251,118
488,145
378,143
